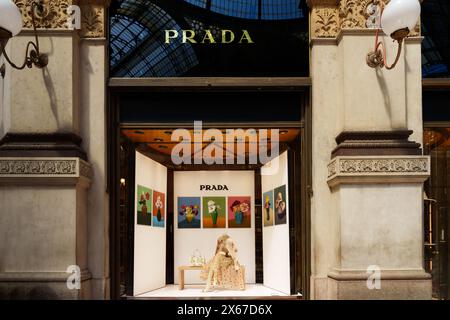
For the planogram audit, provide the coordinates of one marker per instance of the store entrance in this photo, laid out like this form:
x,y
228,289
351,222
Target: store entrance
x,y
173,210
436,144
436,209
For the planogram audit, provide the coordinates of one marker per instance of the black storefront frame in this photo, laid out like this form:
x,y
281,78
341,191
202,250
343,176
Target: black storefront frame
x,y
437,119
118,87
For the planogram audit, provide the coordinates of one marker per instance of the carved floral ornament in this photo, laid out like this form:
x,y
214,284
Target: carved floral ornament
x,y
329,17
417,165
56,15
36,167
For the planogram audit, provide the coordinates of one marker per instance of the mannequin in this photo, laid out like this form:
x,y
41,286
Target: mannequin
x,y
224,270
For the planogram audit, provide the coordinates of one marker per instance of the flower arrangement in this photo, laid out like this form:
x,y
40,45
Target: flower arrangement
x,y
240,209
245,207
159,206
267,205
143,202
189,212
213,210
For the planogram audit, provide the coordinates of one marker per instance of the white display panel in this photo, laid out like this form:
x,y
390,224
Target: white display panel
x,y
276,254
149,241
188,184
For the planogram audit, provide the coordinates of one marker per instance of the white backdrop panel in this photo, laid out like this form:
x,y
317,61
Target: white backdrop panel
x,y
187,184
276,238
149,242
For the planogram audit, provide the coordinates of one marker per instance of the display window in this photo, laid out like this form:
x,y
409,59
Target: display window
x,y
209,133
211,208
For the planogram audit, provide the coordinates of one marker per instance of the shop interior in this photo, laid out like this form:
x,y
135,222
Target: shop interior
x,y
172,216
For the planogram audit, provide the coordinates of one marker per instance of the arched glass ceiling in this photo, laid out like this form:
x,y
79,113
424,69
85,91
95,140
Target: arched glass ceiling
x,y
432,62
253,9
198,3
136,42
126,34
436,44
138,45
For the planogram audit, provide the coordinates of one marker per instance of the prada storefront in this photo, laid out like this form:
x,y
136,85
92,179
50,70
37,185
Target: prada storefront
x,y
224,149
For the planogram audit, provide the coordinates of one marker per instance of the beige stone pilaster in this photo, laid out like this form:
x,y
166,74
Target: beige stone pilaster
x,y
93,75
52,130
367,177
43,222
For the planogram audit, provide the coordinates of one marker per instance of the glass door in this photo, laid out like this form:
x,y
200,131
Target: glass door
x,y
436,209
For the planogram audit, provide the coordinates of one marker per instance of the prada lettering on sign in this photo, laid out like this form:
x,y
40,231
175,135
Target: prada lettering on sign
x,y
207,37
214,188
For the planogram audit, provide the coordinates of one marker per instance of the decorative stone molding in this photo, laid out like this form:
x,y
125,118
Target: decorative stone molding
x,y
93,18
324,22
330,17
38,167
356,14
41,276
42,145
55,16
42,285
376,143
378,169
324,18
57,170
386,274
397,284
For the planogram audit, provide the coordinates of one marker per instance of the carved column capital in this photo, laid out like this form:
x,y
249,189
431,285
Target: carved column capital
x,y
324,19
93,18
330,17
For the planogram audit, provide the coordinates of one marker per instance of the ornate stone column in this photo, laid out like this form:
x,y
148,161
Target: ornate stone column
x,y
368,174
48,173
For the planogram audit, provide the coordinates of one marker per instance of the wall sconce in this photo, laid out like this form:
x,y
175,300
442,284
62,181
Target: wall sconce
x,y
11,25
398,19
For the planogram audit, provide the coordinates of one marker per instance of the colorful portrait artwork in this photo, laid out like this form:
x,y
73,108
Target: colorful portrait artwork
x,y
239,212
214,209
189,212
159,209
280,205
144,206
267,208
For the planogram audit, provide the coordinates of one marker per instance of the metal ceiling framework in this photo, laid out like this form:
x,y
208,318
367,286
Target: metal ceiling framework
x,y
135,51
136,26
436,45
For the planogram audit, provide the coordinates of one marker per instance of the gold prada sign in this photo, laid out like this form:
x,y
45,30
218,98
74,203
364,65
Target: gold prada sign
x,y
207,37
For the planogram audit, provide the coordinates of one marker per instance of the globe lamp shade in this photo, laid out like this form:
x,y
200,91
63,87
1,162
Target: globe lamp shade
x,y
400,17
10,17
